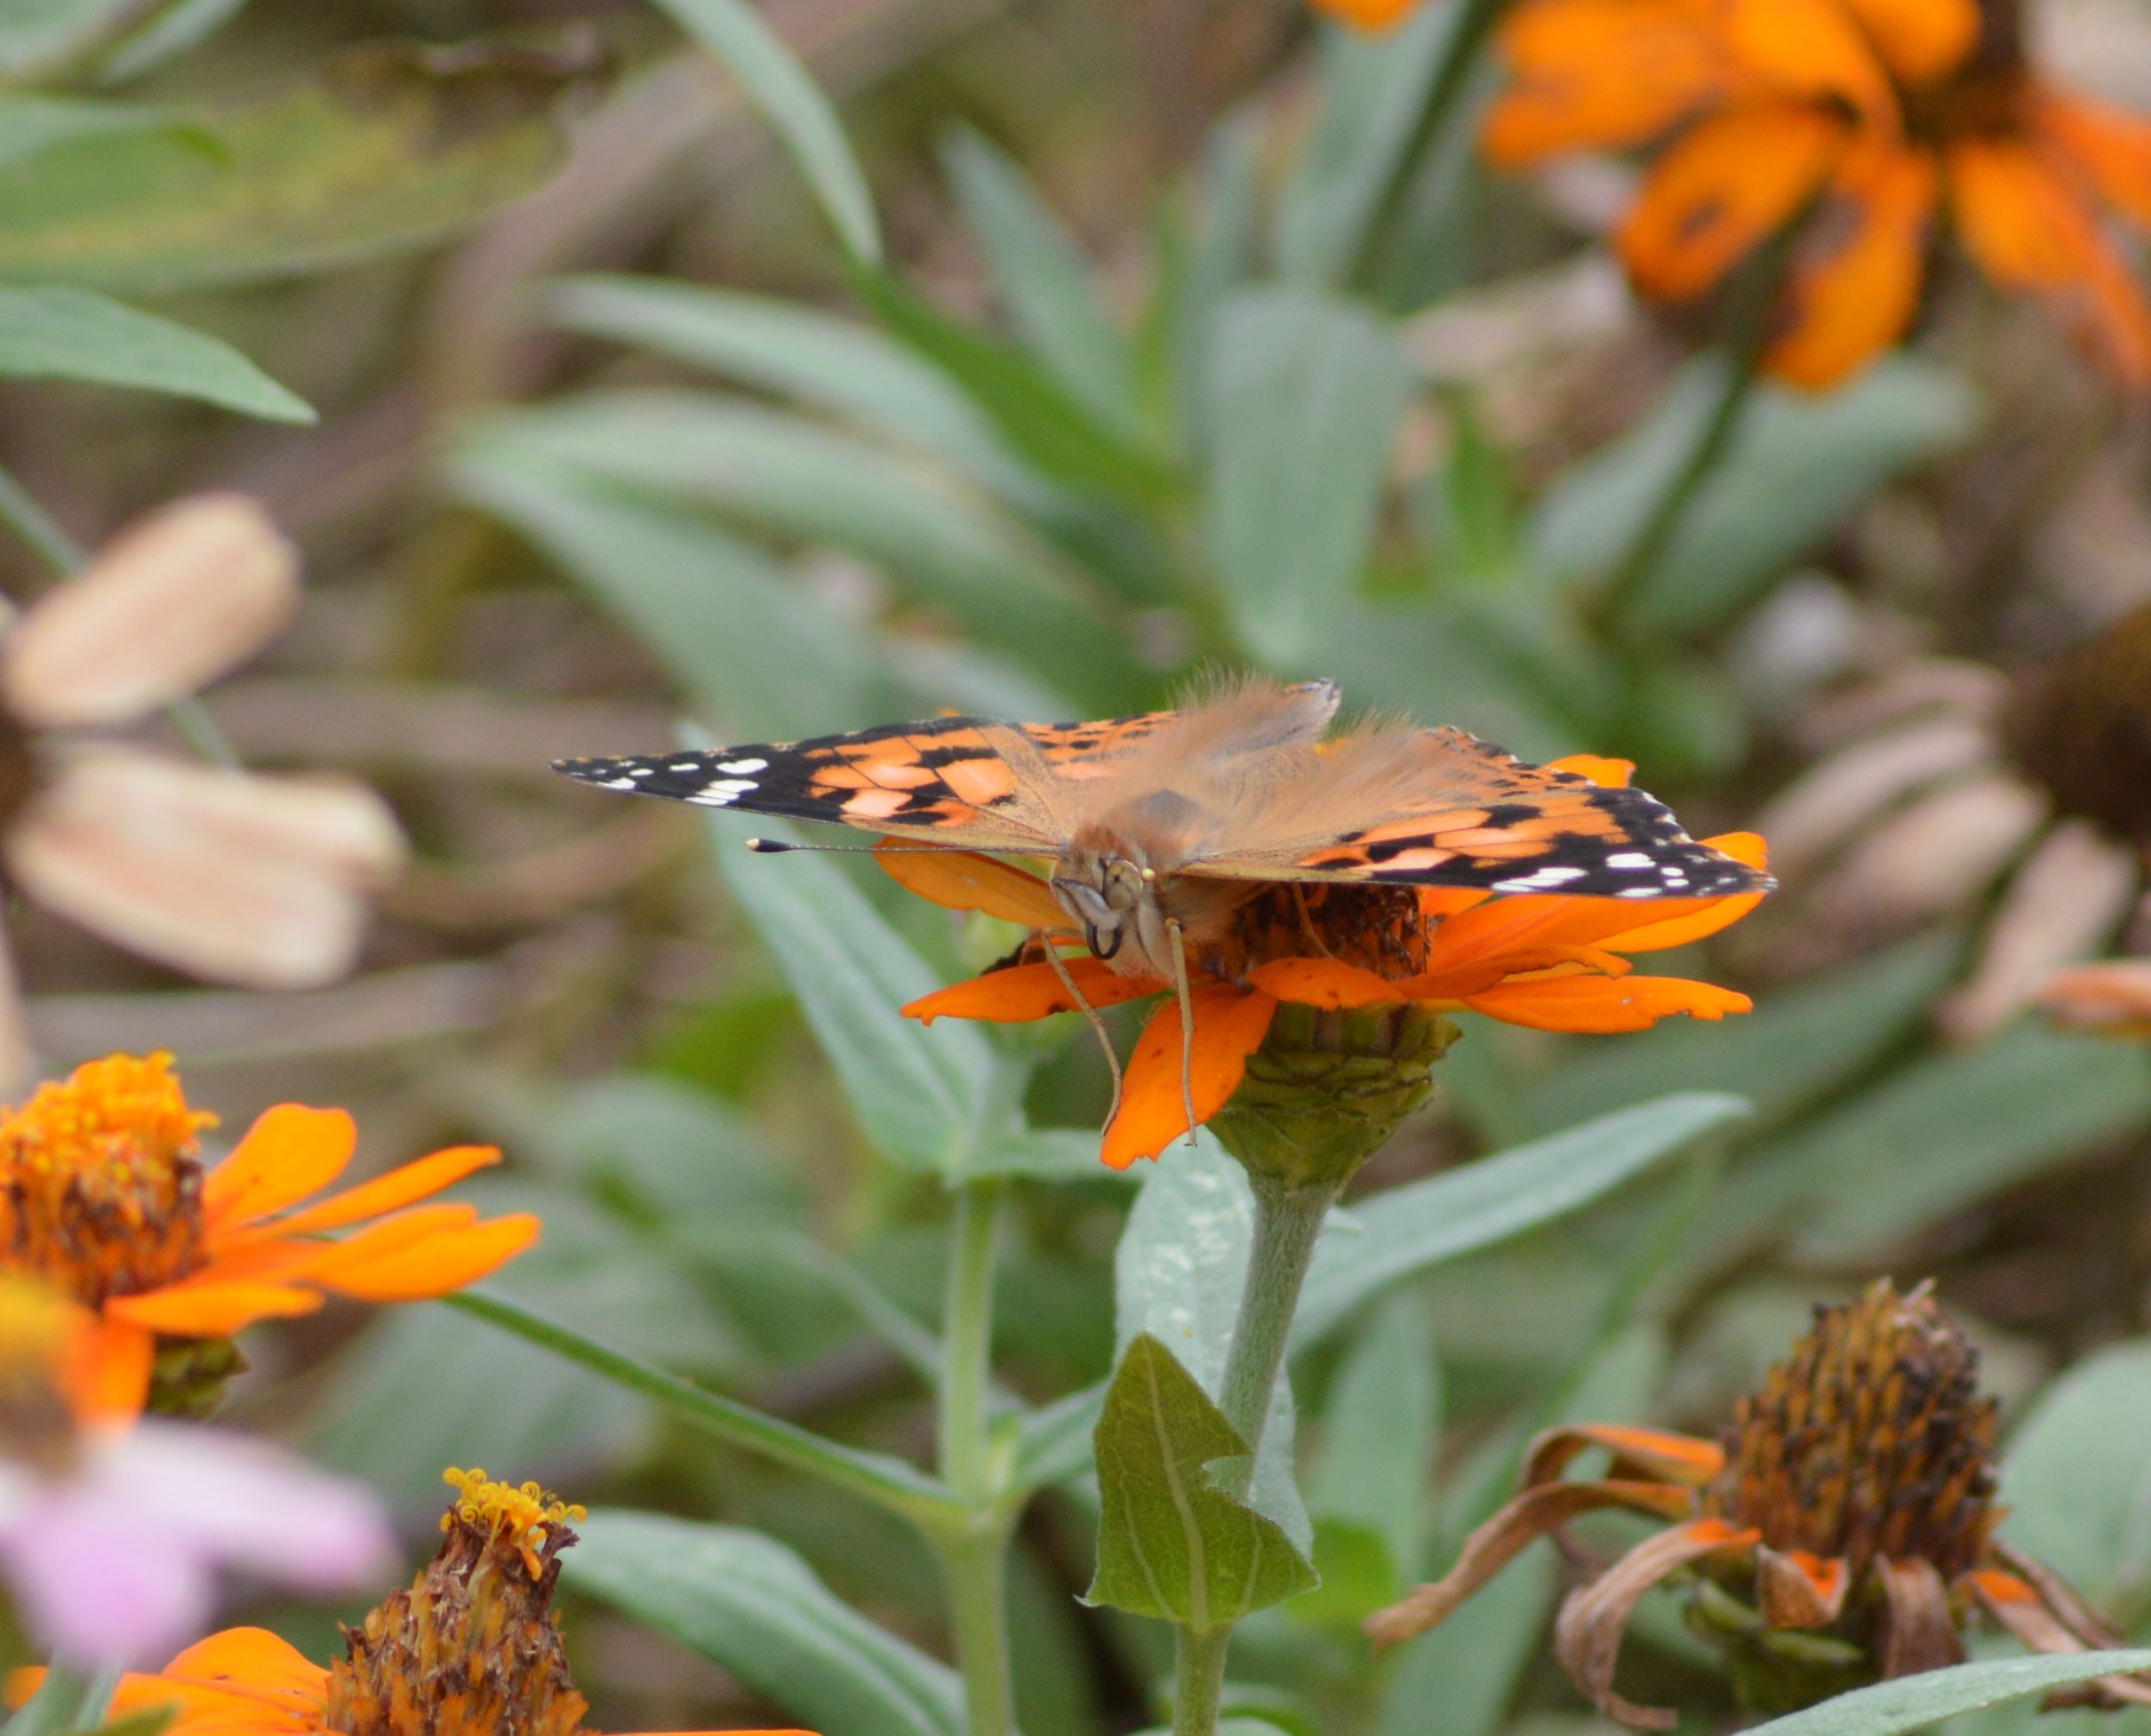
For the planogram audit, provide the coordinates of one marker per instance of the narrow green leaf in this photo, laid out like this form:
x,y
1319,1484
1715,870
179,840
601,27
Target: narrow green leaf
x,y
1380,1430
2077,1481
77,334
35,34
64,1703
1178,1275
1304,392
1915,1702
801,479
682,587
777,84
922,1096
151,1722
1170,1544
1043,279
1033,412
750,1604
180,26
1799,464
391,148
780,346
1394,1235
29,124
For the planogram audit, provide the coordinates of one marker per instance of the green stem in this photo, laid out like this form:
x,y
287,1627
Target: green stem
x,y
1475,22
974,1554
1288,1223
888,1483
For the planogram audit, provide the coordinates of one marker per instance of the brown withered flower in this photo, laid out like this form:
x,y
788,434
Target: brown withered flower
x,y
259,881
1840,1531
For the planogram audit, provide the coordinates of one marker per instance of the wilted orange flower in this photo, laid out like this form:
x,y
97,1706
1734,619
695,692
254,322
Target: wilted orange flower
x,y
1878,118
1852,1497
472,1649
2113,998
1551,961
227,875
103,1197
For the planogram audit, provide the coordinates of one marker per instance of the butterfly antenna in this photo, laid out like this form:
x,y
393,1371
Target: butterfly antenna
x,y
1187,1021
774,846
1096,1023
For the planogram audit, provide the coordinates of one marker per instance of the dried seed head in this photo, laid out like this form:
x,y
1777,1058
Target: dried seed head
x,y
1868,1443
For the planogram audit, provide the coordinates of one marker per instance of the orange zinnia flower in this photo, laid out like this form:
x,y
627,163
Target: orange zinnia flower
x,y
1543,959
1880,115
102,1197
472,1649
1853,1498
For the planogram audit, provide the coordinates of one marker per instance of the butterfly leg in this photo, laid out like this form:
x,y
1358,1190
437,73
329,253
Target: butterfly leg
x,y
1178,936
1096,1023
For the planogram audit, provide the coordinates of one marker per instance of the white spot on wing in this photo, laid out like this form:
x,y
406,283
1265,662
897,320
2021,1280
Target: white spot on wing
x,y
1630,859
743,765
724,792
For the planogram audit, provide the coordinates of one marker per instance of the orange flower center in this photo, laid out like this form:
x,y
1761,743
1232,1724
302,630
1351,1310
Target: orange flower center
x,y
100,1193
1869,1441
1378,928
470,1648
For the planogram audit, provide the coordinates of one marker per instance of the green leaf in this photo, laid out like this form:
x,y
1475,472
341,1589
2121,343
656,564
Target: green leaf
x,y
804,480
64,1701
391,149
1396,1234
1379,1431
1170,1544
752,1606
1801,1042
2077,1482
922,1096
151,1722
180,26
1043,279
1468,1665
1914,1702
777,84
1034,411
1942,1134
30,124
682,587
1799,465
1304,394
1178,1275
782,347
77,334
36,34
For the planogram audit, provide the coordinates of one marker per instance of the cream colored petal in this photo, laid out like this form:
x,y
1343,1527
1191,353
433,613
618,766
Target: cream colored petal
x,y
174,601
226,875
2070,896
1842,796
1933,856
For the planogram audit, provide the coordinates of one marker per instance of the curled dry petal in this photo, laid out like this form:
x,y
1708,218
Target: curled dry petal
x,y
1799,1589
1587,1634
1680,1459
2034,1618
232,876
1494,1545
177,600
1918,1633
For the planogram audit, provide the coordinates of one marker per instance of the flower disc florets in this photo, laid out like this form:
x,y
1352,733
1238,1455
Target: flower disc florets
x,y
1869,1441
100,1192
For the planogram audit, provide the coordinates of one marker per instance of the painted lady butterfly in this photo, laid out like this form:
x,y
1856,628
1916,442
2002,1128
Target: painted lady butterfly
x,y
1161,825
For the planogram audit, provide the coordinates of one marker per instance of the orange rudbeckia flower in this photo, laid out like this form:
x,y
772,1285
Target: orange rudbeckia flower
x,y
1551,961
471,1649
103,1197
1878,118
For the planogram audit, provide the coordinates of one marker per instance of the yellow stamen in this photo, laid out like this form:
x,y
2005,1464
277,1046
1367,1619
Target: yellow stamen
x,y
522,1516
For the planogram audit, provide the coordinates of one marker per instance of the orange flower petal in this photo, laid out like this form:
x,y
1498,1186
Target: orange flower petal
x,y
1603,1004
1368,15
1230,1024
1729,183
1608,773
1810,49
1323,983
289,1152
2029,229
431,1267
1680,1459
1598,75
210,1310
1022,993
2109,146
964,881
1919,40
251,1661
413,1180
107,1374
1857,284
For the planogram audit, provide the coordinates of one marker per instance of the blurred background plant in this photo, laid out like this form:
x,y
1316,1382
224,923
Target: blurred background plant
x,y
608,379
